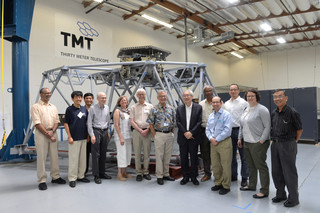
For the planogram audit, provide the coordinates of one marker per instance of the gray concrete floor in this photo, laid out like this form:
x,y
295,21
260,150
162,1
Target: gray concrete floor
x,y
19,192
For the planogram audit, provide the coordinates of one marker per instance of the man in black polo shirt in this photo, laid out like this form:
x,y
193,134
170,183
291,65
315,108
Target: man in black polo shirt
x,y
76,128
286,130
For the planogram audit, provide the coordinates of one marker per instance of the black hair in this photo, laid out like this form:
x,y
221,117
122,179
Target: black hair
x,y
88,94
279,90
76,93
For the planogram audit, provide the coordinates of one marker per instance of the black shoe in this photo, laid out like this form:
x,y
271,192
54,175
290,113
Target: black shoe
x,y
147,177
289,204
278,199
58,181
72,184
244,182
184,181
234,178
195,181
224,191
85,180
160,181
169,178
216,188
259,197
139,178
42,186
97,180
105,176
245,188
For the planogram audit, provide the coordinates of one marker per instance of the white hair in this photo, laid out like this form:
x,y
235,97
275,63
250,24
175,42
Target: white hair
x,y
100,93
161,91
141,90
189,91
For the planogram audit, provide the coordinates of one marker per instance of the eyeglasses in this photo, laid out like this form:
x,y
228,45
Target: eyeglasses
x,y
232,90
186,95
251,96
278,97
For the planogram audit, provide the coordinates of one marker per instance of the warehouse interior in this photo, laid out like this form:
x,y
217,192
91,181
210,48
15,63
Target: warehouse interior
x,y
263,44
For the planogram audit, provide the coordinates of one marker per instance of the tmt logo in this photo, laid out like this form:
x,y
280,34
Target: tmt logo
x,y
86,30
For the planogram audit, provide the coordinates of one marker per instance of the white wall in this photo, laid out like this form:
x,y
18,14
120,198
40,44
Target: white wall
x,y
124,34
282,69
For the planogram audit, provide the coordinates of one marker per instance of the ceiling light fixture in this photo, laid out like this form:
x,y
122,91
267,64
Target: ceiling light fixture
x,y
236,54
157,21
210,44
98,1
266,27
233,1
281,40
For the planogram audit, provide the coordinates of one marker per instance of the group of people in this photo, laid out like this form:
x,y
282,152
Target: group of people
x,y
219,128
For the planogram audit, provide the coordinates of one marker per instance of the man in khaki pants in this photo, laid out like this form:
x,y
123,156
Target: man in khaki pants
x,y
141,134
161,120
45,119
218,131
76,128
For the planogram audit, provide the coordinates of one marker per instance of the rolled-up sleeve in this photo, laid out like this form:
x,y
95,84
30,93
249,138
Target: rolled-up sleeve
x,y
35,115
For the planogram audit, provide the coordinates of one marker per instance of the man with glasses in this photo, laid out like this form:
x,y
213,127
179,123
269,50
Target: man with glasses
x,y
235,106
141,135
161,120
205,144
286,130
98,126
189,117
218,131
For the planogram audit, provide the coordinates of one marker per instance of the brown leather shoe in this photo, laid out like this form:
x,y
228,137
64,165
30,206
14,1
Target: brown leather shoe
x,y
205,178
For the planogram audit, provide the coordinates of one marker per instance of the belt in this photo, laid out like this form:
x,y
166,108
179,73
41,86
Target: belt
x,y
144,128
280,140
163,131
100,129
235,127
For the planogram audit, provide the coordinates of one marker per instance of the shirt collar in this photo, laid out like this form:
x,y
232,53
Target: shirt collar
x,y
219,112
144,104
189,106
283,109
160,106
42,103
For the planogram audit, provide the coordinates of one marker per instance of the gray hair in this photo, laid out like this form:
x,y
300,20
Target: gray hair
x,y
208,86
141,90
161,91
100,93
190,91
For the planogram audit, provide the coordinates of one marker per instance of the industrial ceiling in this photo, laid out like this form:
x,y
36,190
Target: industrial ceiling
x,y
224,26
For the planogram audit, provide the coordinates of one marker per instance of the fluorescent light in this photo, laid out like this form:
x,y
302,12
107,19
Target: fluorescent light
x,y
233,1
98,1
281,40
210,44
157,21
236,54
266,27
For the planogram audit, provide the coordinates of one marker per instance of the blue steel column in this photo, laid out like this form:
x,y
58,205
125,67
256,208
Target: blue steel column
x,y
20,85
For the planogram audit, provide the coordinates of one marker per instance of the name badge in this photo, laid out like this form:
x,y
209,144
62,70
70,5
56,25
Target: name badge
x,y
80,114
146,111
165,124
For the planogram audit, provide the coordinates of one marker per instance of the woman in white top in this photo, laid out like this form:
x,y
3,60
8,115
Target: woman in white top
x,y
122,137
254,130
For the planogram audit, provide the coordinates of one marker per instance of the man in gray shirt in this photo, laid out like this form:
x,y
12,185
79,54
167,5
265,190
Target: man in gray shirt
x,y
98,125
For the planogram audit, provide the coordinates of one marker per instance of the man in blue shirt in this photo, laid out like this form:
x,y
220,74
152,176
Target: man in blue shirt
x,y
76,128
218,131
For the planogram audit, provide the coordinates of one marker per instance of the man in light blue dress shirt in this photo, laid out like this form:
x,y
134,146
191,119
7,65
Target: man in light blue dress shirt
x,y
218,131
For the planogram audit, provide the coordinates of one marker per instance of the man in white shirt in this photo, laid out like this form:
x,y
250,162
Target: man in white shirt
x,y
236,105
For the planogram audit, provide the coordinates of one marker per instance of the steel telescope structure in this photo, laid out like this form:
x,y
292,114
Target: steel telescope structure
x,y
139,67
